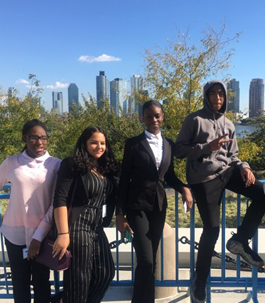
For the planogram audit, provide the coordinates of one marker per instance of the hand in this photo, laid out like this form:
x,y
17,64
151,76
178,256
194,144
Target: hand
x,y
247,176
187,196
122,224
218,143
60,245
34,249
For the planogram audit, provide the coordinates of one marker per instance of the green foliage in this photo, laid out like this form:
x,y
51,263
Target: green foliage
x,y
13,114
258,138
248,149
230,215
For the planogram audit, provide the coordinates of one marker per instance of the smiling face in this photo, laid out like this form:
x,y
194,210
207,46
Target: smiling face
x,y
153,118
36,141
216,97
96,145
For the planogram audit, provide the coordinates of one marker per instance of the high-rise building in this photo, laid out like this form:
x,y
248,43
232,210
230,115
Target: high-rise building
x,y
57,102
136,88
233,95
118,95
10,92
73,96
102,83
256,98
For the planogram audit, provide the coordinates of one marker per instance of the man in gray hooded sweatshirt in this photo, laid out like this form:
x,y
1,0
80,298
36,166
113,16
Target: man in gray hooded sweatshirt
x,y
207,139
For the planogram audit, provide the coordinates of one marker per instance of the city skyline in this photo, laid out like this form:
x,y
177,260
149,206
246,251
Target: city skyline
x,y
113,38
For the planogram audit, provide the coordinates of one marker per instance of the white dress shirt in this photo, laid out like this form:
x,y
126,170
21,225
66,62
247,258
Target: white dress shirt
x,y
156,144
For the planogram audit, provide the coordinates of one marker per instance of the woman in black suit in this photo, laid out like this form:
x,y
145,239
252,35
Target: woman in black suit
x,y
141,208
86,181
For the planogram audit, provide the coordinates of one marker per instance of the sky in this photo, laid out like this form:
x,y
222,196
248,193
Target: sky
x,y
63,41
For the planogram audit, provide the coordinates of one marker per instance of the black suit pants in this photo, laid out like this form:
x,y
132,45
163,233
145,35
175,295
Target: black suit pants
x,y
148,229
208,197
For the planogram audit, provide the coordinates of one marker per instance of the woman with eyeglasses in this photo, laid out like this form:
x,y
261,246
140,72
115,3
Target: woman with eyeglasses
x,y
28,217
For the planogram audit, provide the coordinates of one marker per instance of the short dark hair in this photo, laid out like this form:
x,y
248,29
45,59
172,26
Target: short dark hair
x,y
32,123
150,103
83,162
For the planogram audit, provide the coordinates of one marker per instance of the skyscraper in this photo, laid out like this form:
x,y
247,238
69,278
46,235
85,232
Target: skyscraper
x,y
73,96
102,88
136,88
256,98
117,95
233,96
57,102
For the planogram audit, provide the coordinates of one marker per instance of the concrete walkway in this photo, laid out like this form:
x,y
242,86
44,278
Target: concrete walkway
x,y
218,295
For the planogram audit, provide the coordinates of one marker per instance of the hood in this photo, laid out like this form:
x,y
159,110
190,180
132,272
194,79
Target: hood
x,y
206,102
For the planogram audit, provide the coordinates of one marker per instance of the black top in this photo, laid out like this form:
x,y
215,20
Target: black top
x,y
90,190
141,184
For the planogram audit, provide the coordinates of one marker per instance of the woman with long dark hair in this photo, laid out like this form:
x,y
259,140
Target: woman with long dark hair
x,y
86,182
147,165
28,217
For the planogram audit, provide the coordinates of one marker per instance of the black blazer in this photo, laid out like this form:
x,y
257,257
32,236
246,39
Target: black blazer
x,y
64,191
140,182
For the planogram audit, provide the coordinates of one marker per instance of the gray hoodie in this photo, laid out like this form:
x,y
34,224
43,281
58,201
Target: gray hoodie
x,y
198,130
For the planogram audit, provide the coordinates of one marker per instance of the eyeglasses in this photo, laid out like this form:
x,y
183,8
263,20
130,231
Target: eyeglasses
x,y
34,138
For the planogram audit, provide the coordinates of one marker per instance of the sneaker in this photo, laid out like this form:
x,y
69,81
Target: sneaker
x,y
237,247
197,291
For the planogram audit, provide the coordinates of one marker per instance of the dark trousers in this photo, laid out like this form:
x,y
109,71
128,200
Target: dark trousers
x,y
148,229
23,272
208,198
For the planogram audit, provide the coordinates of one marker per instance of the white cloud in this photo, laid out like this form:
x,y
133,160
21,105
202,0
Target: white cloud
x,y
102,58
57,85
23,81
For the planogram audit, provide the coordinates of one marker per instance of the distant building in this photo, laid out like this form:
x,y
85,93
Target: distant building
x,y
102,85
136,88
73,96
57,102
118,95
233,96
10,92
256,98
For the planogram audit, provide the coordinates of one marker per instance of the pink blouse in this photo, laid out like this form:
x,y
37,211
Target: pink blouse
x,y
29,212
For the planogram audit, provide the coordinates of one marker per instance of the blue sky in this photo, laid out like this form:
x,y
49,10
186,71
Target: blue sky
x,y
50,37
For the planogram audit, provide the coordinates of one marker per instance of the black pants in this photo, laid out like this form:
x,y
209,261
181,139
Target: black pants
x,y
208,198
148,229
23,271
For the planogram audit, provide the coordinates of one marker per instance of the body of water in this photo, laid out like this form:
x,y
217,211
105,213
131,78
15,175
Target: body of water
x,y
242,130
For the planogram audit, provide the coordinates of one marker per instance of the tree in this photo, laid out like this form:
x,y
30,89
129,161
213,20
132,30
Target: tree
x,y
13,114
258,138
176,74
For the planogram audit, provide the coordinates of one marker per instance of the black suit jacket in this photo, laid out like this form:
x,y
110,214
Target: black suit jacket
x,y
64,191
140,182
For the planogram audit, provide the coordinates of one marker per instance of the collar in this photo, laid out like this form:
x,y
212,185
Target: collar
x,y
27,159
152,136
